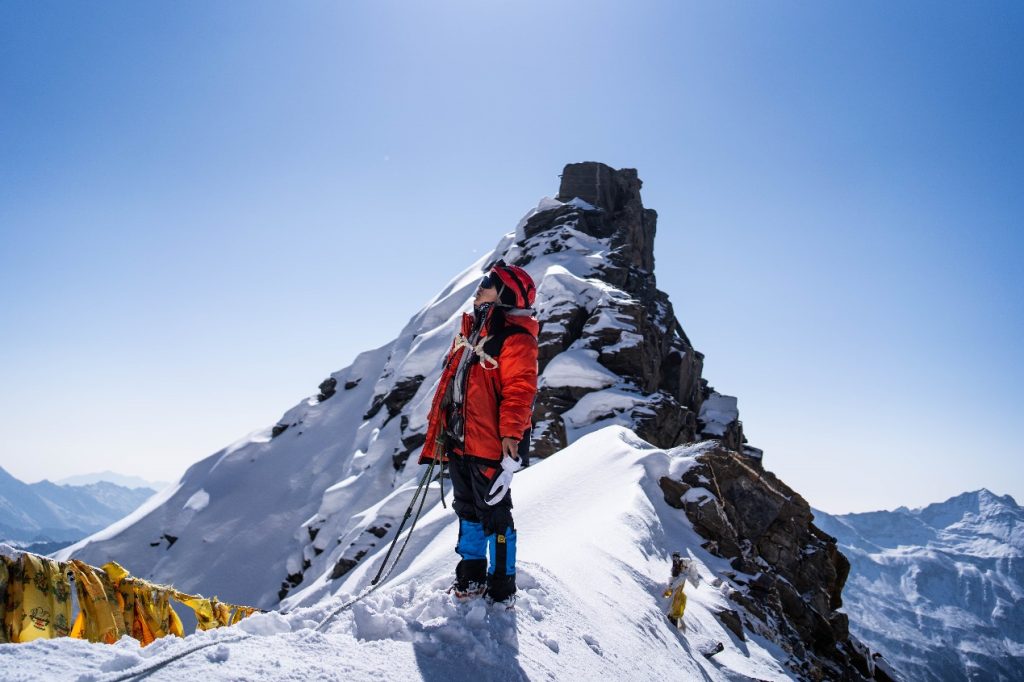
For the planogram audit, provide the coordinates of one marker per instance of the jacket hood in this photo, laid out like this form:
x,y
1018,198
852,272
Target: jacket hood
x,y
521,317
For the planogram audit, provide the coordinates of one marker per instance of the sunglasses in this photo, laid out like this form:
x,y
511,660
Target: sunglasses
x,y
487,283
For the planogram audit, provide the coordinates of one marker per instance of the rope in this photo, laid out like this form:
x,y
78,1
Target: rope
x,y
382,576
141,672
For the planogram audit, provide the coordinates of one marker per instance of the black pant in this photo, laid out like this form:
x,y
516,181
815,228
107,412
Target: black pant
x,y
484,530
470,486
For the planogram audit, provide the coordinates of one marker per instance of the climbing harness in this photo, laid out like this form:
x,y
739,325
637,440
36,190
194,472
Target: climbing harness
x,y
462,342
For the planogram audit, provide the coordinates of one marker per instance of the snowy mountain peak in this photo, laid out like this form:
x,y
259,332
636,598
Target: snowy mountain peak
x,y
304,509
975,504
968,520
940,589
111,477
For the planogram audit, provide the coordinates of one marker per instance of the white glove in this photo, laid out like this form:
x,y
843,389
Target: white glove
x,y
503,480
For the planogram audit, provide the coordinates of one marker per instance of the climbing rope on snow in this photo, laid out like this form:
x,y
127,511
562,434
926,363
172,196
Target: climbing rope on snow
x,y
141,672
382,574
144,671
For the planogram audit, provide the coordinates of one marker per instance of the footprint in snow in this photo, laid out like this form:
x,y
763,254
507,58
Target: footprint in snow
x,y
593,644
550,642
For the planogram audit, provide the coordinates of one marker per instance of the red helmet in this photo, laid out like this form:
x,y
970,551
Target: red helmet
x,y
515,286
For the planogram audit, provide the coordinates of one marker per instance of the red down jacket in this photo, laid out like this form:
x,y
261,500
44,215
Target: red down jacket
x,y
499,401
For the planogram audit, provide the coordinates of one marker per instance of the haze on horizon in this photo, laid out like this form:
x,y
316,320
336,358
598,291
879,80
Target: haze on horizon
x,y
206,208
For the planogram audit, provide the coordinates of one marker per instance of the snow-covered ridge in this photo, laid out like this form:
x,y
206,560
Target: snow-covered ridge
x,y
590,606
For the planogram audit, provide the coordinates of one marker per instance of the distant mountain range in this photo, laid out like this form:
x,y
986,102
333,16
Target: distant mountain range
x,y
938,590
46,515
112,477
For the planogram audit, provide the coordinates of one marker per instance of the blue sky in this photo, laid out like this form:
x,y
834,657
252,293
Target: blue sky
x,y
206,208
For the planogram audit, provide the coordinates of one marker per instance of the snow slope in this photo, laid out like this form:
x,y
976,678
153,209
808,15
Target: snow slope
x,y
938,590
595,540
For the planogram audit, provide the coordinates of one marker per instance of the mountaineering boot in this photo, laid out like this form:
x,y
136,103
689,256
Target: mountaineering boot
x,y
508,603
500,587
470,579
466,591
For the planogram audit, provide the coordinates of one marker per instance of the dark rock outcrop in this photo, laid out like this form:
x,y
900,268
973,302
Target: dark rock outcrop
x,y
327,387
617,194
395,399
411,441
788,575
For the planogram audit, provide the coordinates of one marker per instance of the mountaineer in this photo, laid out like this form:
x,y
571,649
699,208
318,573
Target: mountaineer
x,y
480,413
683,570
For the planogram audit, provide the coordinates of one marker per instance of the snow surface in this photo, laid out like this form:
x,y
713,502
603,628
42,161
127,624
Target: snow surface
x,y
717,412
198,501
595,538
577,367
600,408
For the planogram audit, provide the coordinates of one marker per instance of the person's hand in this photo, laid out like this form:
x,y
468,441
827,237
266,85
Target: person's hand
x,y
510,447
503,480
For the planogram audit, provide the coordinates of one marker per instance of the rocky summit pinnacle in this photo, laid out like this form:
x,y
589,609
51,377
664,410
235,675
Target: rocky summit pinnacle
x,y
616,313
617,194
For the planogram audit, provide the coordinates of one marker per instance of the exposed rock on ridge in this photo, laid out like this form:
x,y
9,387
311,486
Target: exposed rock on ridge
x,y
788,576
